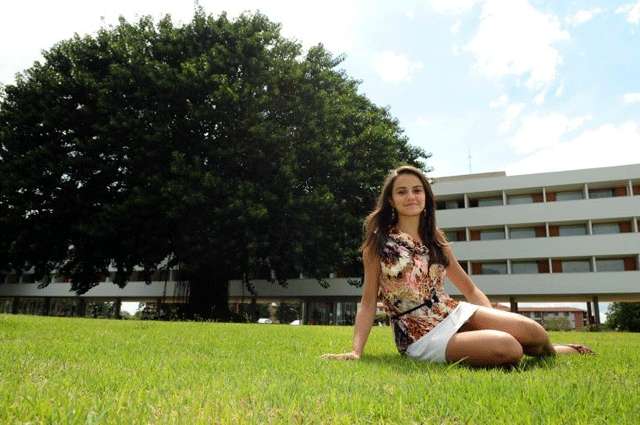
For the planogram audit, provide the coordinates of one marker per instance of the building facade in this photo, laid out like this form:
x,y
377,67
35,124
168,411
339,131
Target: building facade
x,y
555,318
560,236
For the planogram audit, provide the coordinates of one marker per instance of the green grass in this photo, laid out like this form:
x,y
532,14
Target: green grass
x,y
68,371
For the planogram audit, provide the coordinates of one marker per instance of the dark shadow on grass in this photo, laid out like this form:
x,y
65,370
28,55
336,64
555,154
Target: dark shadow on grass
x,y
525,365
407,365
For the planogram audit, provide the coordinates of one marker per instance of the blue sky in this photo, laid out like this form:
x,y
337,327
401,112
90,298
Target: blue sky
x,y
523,86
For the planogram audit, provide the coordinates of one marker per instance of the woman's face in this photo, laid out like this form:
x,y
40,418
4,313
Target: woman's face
x,y
408,195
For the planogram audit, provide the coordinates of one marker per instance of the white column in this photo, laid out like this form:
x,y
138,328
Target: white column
x,y
634,223
467,234
550,266
466,200
629,188
506,232
508,266
544,194
589,227
586,191
546,227
504,198
468,267
594,268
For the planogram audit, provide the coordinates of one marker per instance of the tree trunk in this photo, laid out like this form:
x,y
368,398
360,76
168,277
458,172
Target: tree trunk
x,y
208,296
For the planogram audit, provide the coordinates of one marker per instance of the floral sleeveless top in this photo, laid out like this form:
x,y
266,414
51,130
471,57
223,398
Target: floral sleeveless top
x,y
407,280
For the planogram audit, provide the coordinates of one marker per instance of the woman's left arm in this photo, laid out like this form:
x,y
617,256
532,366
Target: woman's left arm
x,y
463,282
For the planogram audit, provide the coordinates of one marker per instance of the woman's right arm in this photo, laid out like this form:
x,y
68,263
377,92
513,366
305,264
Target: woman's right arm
x,y
367,312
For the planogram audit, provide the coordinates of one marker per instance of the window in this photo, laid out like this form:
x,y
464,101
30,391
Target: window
x,y
450,204
519,199
491,234
522,232
160,275
572,230
28,278
455,235
569,196
605,228
489,202
600,193
522,267
494,268
453,204
610,265
576,266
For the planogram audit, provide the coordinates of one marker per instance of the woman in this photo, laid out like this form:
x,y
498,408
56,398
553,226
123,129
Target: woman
x,y
405,260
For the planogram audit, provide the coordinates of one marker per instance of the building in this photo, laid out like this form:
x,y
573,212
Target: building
x,y
557,318
560,236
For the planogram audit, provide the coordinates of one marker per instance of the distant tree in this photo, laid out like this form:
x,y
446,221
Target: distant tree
x,y
217,144
624,317
557,324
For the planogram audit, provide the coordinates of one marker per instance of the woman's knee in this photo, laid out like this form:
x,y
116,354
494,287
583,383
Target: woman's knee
x,y
506,349
534,332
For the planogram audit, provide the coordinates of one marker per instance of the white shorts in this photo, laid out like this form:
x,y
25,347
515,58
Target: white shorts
x,y
432,347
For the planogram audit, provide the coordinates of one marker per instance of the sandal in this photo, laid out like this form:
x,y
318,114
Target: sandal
x,y
581,349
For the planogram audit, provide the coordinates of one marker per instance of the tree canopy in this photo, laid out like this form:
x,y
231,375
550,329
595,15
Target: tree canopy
x,y
218,144
624,316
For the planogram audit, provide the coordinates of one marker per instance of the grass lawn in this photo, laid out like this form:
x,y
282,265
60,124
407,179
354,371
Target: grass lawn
x,y
69,370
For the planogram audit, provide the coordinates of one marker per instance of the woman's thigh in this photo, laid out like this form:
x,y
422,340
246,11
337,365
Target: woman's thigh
x,y
484,348
523,329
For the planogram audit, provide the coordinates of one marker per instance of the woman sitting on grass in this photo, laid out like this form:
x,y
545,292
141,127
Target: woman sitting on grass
x,y
405,260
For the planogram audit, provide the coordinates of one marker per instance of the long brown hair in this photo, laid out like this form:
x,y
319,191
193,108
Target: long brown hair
x,y
378,222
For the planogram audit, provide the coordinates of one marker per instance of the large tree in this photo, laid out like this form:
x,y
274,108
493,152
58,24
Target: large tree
x,y
624,316
218,144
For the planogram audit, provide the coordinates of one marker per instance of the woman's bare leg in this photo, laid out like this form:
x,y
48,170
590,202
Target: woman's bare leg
x,y
531,335
484,348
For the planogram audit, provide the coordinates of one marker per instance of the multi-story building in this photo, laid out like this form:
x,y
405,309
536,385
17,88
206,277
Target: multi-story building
x,y
556,318
560,236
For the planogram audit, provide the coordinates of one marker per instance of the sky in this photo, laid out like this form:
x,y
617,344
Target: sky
x,y
521,86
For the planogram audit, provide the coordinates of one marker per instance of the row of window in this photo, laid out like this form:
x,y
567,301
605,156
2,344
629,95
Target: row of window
x,y
158,276
539,231
539,315
530,198
488,267
579,265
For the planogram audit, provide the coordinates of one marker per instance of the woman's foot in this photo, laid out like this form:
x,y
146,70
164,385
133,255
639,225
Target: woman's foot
x,y
573,349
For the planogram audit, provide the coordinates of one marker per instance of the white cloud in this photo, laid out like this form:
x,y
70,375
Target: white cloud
x,y
56,21
538,131
305,21
499,102
515,39
511,113
559,90
583,16
423,121
395,67
453,7
632,11
630,98
539,99
455,28
607,145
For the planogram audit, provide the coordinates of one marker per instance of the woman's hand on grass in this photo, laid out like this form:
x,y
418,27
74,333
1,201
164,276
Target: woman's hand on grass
x,y
343,356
